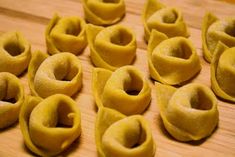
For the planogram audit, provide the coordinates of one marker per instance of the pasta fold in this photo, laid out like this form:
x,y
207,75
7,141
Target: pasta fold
x,y
222,72
15,53
167,20
188,113
11,99
124,90
111,47
215,30
49,126
172,61
121,136
104,12
65,34
60,73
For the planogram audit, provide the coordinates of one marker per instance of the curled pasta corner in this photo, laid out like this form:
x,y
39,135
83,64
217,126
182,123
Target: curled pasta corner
x,y
65,34
222,72
15,52
123,136
172,60
37,58
39,119
60,73
111,47
11,99
125,90
188,113
104,12
207,21
157,16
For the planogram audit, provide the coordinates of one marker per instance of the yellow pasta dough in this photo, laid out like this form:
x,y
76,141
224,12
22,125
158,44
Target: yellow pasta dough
x,y
103,12
111,47
66,34
15,53
215,30
11,99
120,136
167,20
60,73
49,126
172,61
188,113
222,72
124,90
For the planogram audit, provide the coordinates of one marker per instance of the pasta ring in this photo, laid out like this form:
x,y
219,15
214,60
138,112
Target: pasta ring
x,y
124,90
104,12
15,53
49,126
66,35
11,99
172,61
60,73
222,72
111,47
188,113
215,30
156,16
121,136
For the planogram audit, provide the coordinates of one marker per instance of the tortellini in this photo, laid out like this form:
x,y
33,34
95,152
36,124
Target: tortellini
x,y
124,90
104,12
11,99
66,35
188,113
49,126
15,53
121,136
215,30
223,72
167,20
111,47
172,61
60,73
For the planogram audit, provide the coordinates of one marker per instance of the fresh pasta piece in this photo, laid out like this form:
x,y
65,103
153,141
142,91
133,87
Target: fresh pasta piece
x,y
11,99
167,20
66,34
49,126
15,53
215,30
60,73
111,47
222,72
125,90
121,136
104,12
172,61
188,113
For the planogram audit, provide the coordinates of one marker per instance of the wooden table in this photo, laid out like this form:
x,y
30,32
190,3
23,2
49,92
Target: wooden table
x,y
31,17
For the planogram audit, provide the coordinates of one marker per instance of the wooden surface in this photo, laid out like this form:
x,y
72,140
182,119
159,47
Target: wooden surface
x,y
31,17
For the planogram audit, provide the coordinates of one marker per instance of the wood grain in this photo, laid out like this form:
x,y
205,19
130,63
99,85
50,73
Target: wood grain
x,y
31,17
